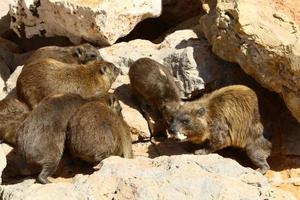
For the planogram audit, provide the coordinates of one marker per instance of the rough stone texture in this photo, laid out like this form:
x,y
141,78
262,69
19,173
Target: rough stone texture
x,y
136,121
175,177
97,21
263,37
188,57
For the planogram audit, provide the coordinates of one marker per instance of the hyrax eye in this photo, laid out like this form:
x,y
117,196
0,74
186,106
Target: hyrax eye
x,y
186,121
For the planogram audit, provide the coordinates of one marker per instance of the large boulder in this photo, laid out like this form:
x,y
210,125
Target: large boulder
x,y
186,54
263,37
174,177
100,22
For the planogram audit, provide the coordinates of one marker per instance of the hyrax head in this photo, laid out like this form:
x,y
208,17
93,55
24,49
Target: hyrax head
x,y
86,53
190,123
106,70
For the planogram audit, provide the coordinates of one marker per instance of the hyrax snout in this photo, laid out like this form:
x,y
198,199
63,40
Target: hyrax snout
x,y
153,85
51,76
226,117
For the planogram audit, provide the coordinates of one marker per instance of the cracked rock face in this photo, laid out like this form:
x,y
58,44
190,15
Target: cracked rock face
x,y
263,36
166,177
100,22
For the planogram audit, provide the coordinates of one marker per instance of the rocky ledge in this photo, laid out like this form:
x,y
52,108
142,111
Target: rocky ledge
x,y
165,177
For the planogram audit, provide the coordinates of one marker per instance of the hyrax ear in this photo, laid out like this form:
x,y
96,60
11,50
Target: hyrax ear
x,y
112,100
103,69
201,112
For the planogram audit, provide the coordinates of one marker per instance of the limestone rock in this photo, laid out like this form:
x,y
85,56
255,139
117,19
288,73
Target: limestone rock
x,y
136,121
175,177
263,37
188,57
2,162
97,21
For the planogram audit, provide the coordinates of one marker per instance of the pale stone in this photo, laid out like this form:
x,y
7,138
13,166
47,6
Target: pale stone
x,y
166,177
98,21
263,37
130,111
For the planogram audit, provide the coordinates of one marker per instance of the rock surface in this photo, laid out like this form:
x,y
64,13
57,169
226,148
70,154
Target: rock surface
x,y
187,54
263,37
175,177
130,111
97,21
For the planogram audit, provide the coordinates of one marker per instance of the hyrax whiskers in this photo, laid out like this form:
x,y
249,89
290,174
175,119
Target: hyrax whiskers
x,y
96,132
153,85
51,76
226,117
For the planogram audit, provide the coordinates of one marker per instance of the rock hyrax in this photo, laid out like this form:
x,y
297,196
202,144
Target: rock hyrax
x,y
51,76
153,84
226,117
79,54
95,132
12,114
41,137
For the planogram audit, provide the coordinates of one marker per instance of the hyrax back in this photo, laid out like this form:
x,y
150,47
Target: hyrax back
x,y
41,137
226,117
79,54
153,84
95,132
12,114
51,76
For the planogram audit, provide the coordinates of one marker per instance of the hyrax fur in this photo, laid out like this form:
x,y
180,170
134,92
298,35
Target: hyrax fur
x,y
95,132
79,54
50,76
154,85
41,138
12,114
226,117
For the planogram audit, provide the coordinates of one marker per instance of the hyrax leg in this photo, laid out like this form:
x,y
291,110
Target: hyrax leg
x,y
218,139
47,170
258,151
153,118
259,148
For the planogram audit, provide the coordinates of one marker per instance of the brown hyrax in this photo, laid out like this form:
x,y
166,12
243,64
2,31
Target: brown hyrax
x,y
153,85
95,132
79,54
12,114
51,76
41,137
226,117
